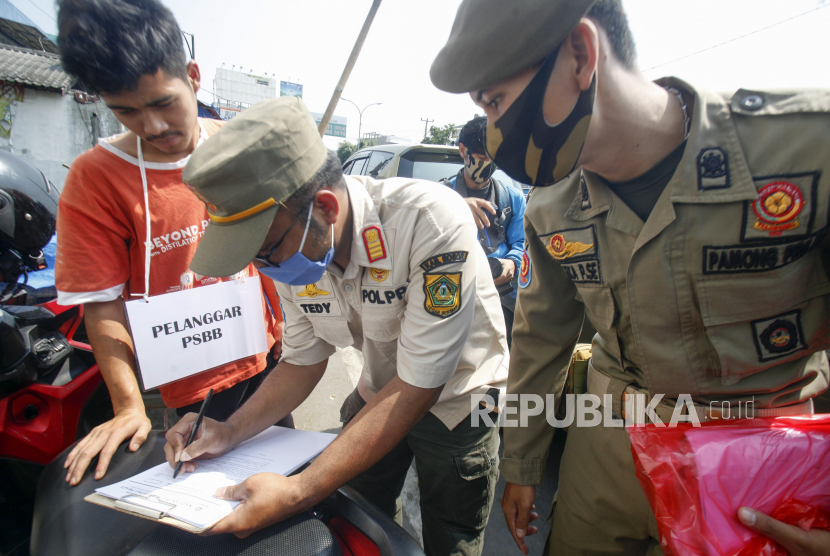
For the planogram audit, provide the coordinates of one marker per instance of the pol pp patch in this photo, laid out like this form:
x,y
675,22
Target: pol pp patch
x,y
442,293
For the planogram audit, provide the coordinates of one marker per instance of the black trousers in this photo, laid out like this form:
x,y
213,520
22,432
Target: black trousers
x,y
508,324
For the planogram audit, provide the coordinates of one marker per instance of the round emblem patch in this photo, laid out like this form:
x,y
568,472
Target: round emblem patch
x,y
780,337
777,207
557,244
524,273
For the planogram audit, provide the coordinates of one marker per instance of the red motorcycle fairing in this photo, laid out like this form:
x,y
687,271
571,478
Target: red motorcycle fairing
x,y
38,421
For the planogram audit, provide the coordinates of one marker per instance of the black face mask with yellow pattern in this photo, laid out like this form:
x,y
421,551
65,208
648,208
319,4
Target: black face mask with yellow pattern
x,y
526,147
478,169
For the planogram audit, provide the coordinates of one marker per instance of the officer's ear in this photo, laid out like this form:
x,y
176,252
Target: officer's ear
x,y
575,66
582,46
462,150
329,203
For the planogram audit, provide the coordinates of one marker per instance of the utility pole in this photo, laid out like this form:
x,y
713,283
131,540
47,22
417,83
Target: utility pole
x,y
428,121
324,121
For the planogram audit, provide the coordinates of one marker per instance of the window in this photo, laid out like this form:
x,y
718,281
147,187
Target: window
x,y
377,162
432,166
357,166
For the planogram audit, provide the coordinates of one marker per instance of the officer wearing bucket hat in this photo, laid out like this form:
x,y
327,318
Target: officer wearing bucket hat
x,y
389,266
687,227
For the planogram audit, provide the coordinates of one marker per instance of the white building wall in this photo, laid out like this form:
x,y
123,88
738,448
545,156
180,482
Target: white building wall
x,y
242,87
49,129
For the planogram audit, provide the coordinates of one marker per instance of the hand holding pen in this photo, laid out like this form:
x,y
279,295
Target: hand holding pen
x,y
181,455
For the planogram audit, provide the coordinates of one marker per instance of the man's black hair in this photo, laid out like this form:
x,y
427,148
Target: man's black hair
x,y
472,135
611,16
108,45
329,175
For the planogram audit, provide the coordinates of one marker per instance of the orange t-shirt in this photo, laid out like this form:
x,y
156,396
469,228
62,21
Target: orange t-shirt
x,y
101,247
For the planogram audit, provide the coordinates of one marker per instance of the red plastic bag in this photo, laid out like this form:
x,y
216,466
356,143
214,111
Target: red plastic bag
x,y
696,478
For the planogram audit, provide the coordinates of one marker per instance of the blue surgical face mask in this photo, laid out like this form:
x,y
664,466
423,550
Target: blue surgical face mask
x,y
297,270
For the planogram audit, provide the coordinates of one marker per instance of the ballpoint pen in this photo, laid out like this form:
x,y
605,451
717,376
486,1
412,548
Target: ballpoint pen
x,y
195,428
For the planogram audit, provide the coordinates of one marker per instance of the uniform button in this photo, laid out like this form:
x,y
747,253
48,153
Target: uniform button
x,y
348,287
752,102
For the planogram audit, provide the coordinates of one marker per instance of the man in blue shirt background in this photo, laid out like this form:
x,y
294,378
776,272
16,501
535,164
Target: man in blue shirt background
x,y
498,210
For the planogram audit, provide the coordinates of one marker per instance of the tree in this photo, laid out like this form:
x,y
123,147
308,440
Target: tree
x,y
440,135
345,150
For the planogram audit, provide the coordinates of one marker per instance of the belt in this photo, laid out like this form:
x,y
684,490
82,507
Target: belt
x,y
629,400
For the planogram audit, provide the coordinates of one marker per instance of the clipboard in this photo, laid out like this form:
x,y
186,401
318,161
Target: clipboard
x,y
145,507
152,494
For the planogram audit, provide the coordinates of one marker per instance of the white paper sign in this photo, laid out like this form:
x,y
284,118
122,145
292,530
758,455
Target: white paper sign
x,y
183,333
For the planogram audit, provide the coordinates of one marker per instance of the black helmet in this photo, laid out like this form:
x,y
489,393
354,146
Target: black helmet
x,y
28,207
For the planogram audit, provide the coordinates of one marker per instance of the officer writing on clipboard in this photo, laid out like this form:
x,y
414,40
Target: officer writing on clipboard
x,y
652,202
391,267
131,53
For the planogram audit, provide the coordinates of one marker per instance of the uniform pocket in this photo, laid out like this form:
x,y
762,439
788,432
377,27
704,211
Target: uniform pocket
x,y
334,330
383,324
477,473
755,321
601,310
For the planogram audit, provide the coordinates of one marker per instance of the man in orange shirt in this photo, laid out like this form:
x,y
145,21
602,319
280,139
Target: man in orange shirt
x,y
131,53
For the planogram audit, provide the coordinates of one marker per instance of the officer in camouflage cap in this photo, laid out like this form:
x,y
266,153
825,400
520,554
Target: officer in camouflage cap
x,y
689,228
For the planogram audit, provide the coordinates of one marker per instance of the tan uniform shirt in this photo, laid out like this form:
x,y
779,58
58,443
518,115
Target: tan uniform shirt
x,y
417,298
722,294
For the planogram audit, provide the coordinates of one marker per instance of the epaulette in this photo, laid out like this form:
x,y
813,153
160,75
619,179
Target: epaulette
x,y
770,103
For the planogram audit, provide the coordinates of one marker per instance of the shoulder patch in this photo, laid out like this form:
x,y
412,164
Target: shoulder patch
x,y
524,273
373,241
444,259
442,293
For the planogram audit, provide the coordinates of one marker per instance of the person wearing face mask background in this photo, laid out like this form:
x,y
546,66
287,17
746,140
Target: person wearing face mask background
x,y
689,228
498,210
391,267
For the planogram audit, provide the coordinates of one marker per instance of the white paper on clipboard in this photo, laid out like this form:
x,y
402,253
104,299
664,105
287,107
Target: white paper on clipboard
x,y
183,333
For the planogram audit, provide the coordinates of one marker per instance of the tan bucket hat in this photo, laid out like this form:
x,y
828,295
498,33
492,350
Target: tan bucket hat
x,y
243,172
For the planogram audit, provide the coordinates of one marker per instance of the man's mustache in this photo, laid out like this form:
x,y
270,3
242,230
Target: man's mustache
x,y
151,138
